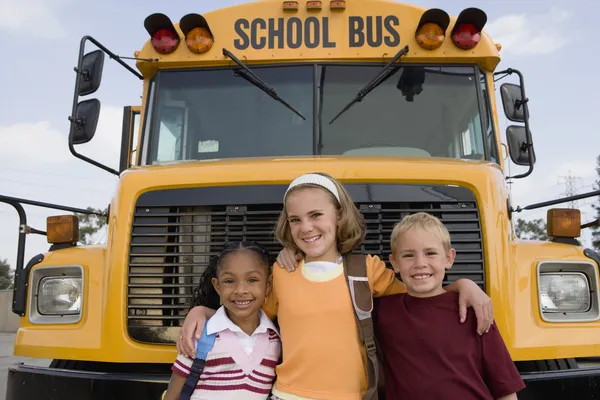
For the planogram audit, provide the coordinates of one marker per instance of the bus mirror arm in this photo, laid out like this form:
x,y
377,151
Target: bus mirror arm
x,y
21,271
524,103
559,201
84,114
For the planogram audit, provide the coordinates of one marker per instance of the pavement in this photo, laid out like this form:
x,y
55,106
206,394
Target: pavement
x,y
7,358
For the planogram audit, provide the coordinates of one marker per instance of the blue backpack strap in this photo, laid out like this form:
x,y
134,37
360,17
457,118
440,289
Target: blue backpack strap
x,y
203,347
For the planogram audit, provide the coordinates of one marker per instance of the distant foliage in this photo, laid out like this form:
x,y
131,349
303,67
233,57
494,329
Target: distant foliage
x,y
90,224
6,275
531,230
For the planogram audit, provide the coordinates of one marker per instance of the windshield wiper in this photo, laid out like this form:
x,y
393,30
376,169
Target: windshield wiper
x,y
248,75
382,76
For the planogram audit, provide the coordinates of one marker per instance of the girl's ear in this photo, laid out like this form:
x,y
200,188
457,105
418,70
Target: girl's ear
x,y
215,283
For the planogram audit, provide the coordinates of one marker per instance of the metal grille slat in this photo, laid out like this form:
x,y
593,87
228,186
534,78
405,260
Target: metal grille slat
x,y
172,245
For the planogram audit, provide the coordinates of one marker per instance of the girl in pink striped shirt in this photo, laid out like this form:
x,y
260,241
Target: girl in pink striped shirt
x,y
241,364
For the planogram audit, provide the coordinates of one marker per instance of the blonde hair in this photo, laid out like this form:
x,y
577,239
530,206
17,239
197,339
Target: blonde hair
x,y
422,220
351,228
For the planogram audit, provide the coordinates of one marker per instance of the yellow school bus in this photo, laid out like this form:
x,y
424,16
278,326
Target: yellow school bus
x,y
396,101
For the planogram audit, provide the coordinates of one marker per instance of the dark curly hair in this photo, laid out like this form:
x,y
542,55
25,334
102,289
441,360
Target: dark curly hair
x,y
205,294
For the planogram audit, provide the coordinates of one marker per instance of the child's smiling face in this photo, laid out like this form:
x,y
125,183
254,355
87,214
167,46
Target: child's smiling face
x,y
243,283
313,221
421,260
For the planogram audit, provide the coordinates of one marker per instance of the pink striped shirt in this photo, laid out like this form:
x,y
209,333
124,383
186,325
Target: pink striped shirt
x,y
230,372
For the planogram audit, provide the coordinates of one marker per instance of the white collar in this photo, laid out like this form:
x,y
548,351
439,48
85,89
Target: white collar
x,y
220,322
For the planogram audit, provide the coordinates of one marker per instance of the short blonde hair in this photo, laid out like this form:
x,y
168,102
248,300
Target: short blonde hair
x,y
351,228
422,220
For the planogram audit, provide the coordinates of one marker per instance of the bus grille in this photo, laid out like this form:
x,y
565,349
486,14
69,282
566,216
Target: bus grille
x,y
175,232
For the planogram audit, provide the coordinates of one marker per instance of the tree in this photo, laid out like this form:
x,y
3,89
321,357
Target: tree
x,y
90,224
531,230
6,275
596,230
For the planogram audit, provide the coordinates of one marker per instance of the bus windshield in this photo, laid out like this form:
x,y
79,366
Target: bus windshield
x,y
430,111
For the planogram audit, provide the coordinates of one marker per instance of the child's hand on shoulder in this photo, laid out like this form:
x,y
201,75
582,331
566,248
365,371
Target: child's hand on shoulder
x,y
288,259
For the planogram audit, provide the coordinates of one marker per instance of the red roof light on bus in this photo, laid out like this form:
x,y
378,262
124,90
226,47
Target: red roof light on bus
x,y
165,41
164,37
466,36
467,29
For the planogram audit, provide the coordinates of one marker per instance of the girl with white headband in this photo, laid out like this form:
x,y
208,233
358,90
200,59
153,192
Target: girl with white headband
x,y
322,352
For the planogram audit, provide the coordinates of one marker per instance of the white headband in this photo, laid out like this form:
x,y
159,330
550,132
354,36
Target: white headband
x,y
314,179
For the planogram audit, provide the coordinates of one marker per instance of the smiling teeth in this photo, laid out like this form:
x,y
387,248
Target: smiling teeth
x,y
312,239
242,303
421,276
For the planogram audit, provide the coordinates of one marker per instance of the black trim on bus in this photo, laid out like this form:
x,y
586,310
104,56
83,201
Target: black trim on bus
x,y
153,147
126,139
483,116
263,194
150,98
316,112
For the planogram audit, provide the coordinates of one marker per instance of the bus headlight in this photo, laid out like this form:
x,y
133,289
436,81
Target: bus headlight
x,y
59,296
56,295
568,291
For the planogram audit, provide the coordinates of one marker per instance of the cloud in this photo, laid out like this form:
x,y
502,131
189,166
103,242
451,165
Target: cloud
x,y
32,17
525,34
35,163
39,144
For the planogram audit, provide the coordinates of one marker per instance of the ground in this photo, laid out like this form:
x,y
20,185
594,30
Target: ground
x,y
7,358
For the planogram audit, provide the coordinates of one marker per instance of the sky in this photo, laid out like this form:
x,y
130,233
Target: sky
x,y
552,42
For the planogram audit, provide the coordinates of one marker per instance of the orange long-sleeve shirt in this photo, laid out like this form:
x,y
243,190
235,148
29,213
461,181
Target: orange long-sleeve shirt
x,y
323,357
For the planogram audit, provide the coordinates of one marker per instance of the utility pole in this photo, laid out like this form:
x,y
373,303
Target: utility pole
x,y
571,188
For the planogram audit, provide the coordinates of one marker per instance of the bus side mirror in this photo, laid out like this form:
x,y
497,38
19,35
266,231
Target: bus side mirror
x,y
516,136
513,102
85,121
90,74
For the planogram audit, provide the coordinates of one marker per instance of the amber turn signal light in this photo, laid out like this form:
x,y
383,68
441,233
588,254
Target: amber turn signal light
x,y
430,36
62,229
431,30
563,222
199,40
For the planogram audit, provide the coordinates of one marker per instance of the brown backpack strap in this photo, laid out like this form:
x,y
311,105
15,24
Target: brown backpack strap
x,y
355,269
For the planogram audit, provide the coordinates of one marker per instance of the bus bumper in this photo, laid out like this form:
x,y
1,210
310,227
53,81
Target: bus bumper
x,y
570,384
31,382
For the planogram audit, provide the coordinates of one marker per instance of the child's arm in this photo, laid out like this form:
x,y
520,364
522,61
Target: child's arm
x,y
512,396
383,283
471,295
175,385
192,328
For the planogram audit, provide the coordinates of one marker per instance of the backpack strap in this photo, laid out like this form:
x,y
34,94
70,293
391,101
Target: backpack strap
x,y
203,347
355,269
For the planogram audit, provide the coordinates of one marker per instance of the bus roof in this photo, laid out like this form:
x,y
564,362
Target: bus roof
x,y
273,31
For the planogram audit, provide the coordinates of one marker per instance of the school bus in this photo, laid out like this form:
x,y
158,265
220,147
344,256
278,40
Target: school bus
x,y
396,101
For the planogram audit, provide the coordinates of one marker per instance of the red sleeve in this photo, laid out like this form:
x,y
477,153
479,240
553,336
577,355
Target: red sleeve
x,y
500,372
